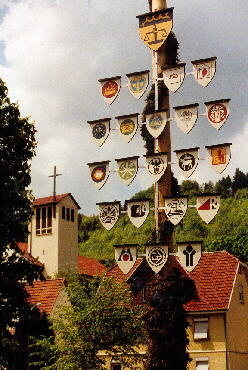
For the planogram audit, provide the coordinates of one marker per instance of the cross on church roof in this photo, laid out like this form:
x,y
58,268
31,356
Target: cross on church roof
x,y
55,174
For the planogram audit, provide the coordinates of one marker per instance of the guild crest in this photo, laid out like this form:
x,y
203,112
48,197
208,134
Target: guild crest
x,y
157,256
127,169
100,130
109,213
187,160
175,209
189,254
156,165
128,125
186,117
99,173
137,83
207,206
155,27
204,70
217,112
137,211
155,123
110,88
219,156
174,76
125,256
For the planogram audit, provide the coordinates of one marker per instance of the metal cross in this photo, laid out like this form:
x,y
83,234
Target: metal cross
x,y
55,174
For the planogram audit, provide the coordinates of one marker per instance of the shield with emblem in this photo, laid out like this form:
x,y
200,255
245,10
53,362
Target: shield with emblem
x,y
127,169
175,208
137,211
100,130
125,256
156,256
207,206
204,70
155,122
186,116
110,88
174,76
128,126
155,27
217,112
156,165
189,254
187,160
99,173
109,213
137,83
219,156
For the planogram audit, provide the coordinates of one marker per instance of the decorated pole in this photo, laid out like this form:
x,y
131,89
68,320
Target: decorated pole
x,y
163,143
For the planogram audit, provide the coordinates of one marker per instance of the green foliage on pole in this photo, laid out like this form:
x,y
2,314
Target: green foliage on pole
x,y
100,318
17,147
166,321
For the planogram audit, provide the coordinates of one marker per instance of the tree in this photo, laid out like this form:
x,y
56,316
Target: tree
x,y
240,181
166,321
189,187
100,318
17,147
224,186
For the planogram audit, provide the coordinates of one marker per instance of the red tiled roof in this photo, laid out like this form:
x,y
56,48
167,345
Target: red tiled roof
x,y
52,200
46,293
90,266
214,278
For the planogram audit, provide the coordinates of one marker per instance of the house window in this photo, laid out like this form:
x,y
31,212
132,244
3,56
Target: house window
x,y
63,213
241,294
201,329
44,220
116,367
202,364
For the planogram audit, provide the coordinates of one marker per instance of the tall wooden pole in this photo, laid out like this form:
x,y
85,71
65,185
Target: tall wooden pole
x,y
163,143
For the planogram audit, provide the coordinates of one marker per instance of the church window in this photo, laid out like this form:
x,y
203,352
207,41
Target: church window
x,y
63,212
68,214
72,215
44,220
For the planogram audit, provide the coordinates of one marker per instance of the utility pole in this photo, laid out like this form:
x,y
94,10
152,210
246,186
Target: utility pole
x,y
163,143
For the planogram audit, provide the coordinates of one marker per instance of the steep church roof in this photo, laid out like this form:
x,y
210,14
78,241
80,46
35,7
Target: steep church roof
x,y
51,200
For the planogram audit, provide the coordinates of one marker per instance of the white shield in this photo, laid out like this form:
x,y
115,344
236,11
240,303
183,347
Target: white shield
x,y
127,169
186,117
100,130
204,70
174,76
156,165
175,209
138,211
109,213
128,126
208,206
137,83
219,156
110,88
155,123
187,160
125,256
217,112
157,256
99,173
189,254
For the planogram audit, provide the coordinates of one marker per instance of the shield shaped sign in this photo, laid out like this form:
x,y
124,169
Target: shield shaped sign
x,y
204,70
137,83
137,211
189,254
125,256
128,126
156,165
186,117
99,173
156,256
175,209
127,169
155,123
155,27
100,130
110,88
109,213
219,156
174,76
207,206
217,112
187,160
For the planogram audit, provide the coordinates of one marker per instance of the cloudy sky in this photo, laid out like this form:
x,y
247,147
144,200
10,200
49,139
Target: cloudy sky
x,y
52,52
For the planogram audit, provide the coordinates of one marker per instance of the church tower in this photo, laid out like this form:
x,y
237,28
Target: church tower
x,y
53,237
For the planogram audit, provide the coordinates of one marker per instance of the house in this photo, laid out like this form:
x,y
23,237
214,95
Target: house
x,y
218,318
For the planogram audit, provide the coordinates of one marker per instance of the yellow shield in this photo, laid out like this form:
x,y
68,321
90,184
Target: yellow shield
x,y
154,28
